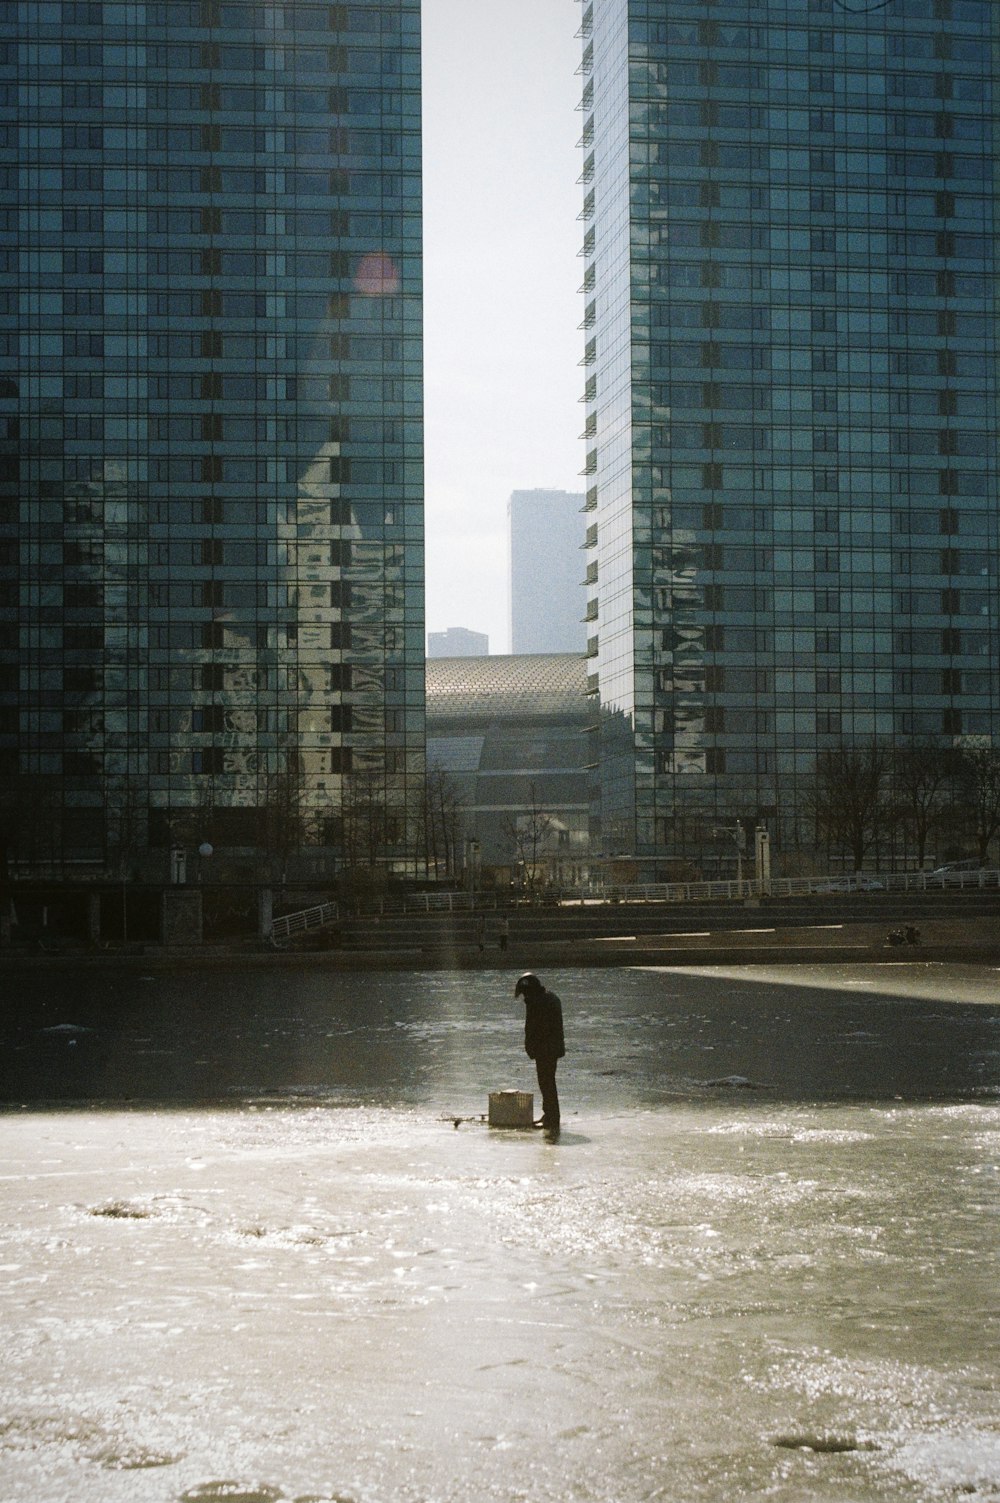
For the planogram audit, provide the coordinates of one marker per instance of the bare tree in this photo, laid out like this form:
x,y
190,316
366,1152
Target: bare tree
x,y
32,823
286,822
849,800
127,837
367,822
978,777
442,822
191,824
530,834
921,772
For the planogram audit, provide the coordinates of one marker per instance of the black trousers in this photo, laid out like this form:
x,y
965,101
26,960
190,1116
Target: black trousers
x,y
545,1068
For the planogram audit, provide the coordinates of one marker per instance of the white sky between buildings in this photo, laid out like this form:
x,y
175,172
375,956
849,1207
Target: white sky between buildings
x,y
501,279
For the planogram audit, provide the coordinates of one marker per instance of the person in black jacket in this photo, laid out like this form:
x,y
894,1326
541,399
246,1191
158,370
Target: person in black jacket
x,y
543,1040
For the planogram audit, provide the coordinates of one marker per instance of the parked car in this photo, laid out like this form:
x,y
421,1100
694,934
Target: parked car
x,y
971,873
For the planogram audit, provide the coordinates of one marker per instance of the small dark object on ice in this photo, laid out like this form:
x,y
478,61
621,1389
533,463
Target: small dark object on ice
x,y
831,1445
737,1082
908,935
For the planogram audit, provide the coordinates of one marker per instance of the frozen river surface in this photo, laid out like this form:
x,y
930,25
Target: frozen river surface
x,y
247,1255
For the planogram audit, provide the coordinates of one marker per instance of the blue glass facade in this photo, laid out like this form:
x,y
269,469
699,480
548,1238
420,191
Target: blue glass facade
x,y
211,522
791,396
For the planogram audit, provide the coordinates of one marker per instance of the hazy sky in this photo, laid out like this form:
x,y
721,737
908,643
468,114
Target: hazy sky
x,y
501,237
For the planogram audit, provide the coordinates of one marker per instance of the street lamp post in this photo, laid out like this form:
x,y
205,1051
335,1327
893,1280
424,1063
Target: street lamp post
x,y
472,859
762,858
739,836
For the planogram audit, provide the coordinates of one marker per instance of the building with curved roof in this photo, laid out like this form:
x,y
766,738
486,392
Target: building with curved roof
x,y
511,734
539,684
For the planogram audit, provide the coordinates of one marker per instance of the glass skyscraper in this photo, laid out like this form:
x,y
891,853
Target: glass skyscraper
x,y
211,523
790,243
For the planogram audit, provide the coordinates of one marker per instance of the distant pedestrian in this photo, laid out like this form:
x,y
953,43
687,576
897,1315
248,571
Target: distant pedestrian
x,y
503,932
481,933
543,1041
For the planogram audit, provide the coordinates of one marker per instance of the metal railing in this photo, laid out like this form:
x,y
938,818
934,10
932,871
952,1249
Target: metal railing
x,y
288,924
720,891
447,902
797,887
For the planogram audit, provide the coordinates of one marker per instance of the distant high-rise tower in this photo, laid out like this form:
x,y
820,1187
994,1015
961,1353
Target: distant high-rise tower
x,y
547,599
457,642
211,572
791,385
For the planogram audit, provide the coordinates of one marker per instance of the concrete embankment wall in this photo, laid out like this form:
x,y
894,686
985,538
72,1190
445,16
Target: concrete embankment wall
x,y
852,930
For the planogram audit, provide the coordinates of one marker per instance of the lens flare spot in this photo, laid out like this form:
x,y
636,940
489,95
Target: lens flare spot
x,y
377,274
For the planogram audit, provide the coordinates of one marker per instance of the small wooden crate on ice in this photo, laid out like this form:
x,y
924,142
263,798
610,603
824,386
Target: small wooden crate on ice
x,y
511,1109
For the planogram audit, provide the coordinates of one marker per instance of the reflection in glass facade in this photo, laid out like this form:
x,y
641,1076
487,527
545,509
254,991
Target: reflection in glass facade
x,y
211,564
791,393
